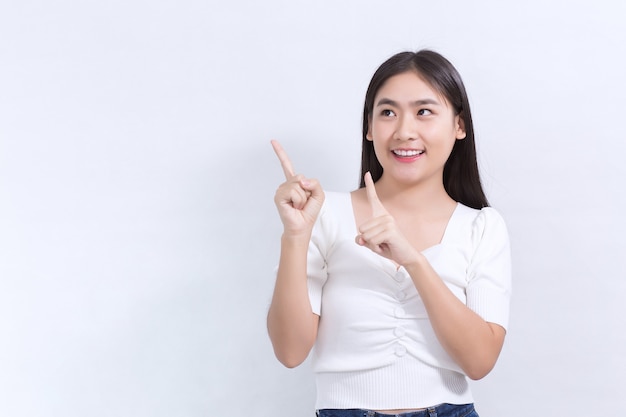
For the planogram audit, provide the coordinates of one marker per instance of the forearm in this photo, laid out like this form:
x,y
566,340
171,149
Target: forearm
x,y
292,326
473,343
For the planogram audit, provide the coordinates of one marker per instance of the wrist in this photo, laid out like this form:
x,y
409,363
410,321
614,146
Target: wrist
x,y
296,237
417,263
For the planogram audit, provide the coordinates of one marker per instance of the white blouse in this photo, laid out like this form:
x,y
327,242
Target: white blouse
x,y
375,347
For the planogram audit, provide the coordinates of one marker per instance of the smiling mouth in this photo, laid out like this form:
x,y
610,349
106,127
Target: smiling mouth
x,y
405,153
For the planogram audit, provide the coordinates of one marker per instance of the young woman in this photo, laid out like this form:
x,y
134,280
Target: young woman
x,y
403,285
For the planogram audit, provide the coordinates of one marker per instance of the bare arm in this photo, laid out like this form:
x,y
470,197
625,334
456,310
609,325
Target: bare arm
x,y
473,343
291,324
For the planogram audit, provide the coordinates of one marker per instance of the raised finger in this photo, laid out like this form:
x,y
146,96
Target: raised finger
x,y
377,207
285,162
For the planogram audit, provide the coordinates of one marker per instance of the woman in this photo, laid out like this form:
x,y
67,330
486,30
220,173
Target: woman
x,y
403,285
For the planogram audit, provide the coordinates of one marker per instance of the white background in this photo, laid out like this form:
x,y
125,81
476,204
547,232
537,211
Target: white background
x,y
138,234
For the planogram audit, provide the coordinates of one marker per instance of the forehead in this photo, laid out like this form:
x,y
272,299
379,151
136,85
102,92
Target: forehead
x,y
408,86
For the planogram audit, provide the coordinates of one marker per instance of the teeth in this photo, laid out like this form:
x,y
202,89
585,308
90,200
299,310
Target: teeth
x,y
402,152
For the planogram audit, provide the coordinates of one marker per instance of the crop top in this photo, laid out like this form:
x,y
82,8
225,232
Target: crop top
x,y
375,347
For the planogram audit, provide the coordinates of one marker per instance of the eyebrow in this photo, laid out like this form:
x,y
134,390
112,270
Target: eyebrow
x,y
389,102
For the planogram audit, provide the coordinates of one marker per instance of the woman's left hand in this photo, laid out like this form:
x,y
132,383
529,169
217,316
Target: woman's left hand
x,y
472,342
381,233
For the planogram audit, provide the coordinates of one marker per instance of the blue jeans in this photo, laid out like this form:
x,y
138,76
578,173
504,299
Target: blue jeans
x,y
442,410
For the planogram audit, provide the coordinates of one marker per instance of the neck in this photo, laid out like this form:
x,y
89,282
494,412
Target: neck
x,y
419,197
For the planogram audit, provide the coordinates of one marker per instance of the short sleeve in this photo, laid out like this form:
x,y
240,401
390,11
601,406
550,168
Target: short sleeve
x,y
489,273
317,267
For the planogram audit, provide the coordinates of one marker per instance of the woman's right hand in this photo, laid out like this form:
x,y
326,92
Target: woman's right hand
x,y
299,199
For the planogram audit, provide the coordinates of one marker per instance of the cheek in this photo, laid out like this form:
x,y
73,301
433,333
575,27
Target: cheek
x,y
381,131
378,149
445,134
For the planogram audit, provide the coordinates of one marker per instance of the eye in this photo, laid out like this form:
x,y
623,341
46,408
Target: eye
x,y
387,113
424,112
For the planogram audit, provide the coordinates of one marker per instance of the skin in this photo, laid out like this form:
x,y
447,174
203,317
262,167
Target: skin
x,y
291,324
405,212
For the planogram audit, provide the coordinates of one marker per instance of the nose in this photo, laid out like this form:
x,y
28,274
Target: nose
x,y
406,128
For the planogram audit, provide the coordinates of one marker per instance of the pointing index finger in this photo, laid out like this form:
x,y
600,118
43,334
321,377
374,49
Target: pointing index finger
x,y
284,159
377,207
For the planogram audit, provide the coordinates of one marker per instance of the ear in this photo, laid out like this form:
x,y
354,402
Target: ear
x,y
460,127
368,136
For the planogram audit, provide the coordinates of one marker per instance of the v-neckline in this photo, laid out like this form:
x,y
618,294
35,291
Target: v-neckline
x,y
443,239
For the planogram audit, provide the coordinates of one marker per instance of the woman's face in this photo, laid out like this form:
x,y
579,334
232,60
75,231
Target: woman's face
x,y
413,129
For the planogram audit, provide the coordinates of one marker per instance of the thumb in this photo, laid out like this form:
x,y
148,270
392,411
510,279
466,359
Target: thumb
x,y
377,207
312,187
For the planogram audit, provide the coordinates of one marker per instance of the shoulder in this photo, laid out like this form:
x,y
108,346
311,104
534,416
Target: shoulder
x,y
334,202
489,219
479,218
337,195
330,216
336,198
480,224
488,230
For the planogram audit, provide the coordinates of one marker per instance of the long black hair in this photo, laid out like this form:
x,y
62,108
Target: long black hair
x,y
461,179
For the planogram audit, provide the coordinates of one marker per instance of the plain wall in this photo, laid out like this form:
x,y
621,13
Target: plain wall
x,y
138,234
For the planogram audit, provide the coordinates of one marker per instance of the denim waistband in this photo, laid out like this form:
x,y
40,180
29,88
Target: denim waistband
x,y
442,410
